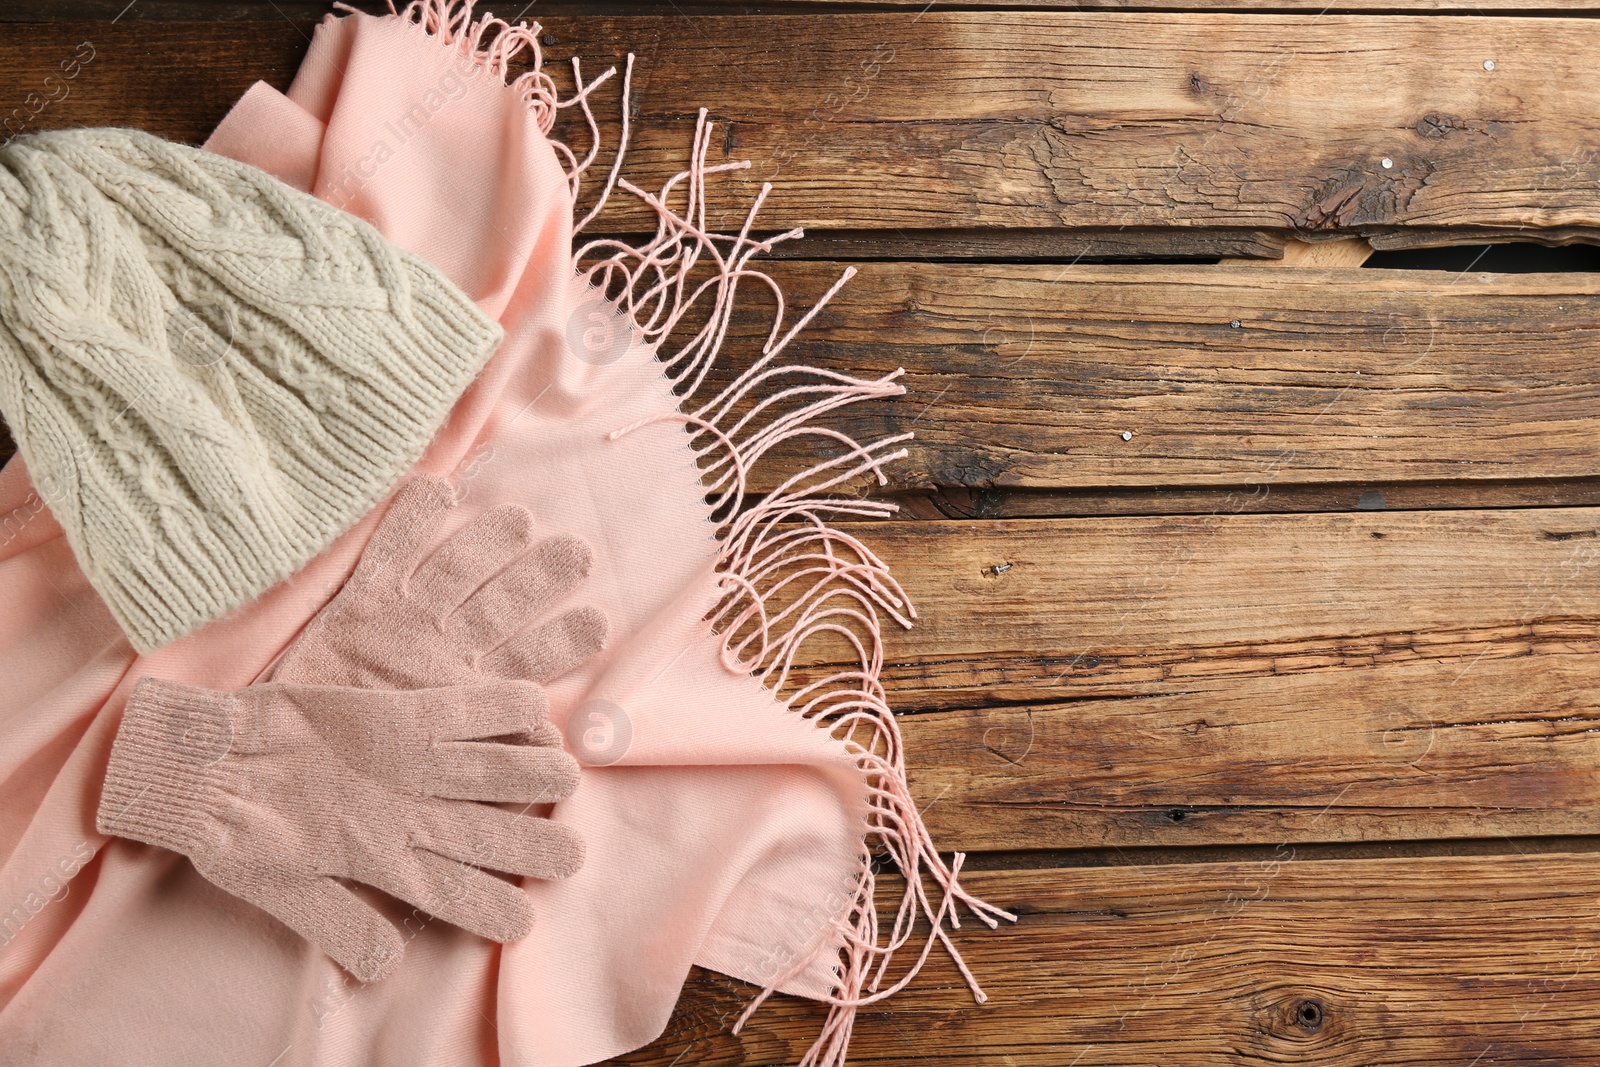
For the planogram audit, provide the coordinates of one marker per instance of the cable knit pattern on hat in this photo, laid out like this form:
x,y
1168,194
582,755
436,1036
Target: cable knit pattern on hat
x,y
209,374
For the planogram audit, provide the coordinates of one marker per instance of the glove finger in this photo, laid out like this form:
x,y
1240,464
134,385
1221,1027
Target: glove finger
x,y
463,563
329,915
461,894
410,523
551,649
545,734
506,602
498,708
478,770
501,840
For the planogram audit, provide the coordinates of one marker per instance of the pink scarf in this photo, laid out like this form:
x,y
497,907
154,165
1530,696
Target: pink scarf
x,y
729,800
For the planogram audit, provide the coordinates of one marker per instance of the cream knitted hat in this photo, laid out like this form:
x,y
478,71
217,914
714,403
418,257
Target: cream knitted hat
x,y
209,374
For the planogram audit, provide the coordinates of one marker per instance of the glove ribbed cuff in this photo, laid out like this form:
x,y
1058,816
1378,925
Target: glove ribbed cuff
x,y
162,771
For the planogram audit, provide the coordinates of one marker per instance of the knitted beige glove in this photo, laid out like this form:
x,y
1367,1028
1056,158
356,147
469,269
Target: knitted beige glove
x,y
460,615
277,791
328,772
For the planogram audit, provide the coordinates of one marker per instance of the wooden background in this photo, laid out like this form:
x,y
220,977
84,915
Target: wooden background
x,y
1278,720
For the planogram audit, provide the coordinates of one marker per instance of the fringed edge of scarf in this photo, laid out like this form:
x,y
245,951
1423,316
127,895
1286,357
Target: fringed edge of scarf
x,y
787,574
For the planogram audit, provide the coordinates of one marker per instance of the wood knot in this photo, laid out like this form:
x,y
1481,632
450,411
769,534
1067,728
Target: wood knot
x,y
1435,124
1300,1019
1308,1015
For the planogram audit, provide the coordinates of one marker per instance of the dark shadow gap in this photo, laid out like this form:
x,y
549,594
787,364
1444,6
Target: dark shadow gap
x,y
1375,497
1512,257
1153,855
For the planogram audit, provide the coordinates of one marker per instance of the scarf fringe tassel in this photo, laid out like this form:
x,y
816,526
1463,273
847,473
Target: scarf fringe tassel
x,y
788,575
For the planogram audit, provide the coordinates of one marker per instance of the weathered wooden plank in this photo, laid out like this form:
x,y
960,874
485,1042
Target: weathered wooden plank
x,y
109,11
1031,375
1257,678
1115,119
1254,679
1333,964
271,10
1028,120
952,503
1440,236
171,78
1084,245
1033,611
1392,749
1312,6
145,75
1096,376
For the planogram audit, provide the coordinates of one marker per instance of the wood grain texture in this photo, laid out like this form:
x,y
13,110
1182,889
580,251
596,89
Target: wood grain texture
x,y
1345,252
169,78
999,119
1029,376
1327,964
1081,245
1030,120
179,78
273,10
1230,679
949,503
1314,7
1389,750
1162,681
1124,607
